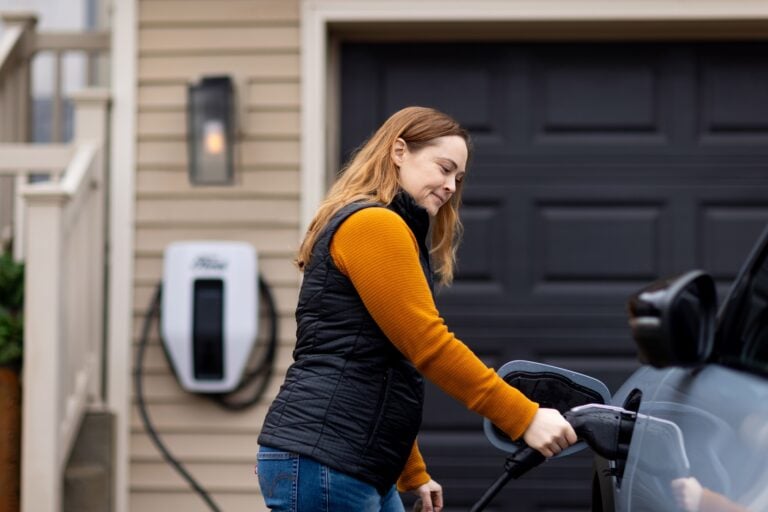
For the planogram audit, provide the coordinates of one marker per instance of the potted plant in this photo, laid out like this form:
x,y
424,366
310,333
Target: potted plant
x,y
11,350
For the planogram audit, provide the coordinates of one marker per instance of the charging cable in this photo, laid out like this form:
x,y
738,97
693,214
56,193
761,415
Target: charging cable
x,y
261,373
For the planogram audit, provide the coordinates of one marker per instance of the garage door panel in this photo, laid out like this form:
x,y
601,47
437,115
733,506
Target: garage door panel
x,y
441,87
728,233
485,225
733,91
595,243
593,95
615,97
490,247
556,246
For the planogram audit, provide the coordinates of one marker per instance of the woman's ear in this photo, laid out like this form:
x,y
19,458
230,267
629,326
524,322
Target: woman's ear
x,y
399,149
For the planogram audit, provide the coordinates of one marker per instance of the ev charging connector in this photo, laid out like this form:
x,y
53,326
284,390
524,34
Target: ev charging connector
x,y
209,312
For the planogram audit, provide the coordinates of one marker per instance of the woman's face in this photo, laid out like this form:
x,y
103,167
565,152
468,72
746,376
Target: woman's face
x,y
430,174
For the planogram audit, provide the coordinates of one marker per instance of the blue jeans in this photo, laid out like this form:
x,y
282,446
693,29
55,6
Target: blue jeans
x,y
294,483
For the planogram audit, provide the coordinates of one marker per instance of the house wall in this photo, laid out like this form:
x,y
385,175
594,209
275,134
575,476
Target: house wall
x,y
257,43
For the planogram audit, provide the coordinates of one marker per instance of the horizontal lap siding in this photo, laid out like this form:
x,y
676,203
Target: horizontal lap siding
x,y
257,43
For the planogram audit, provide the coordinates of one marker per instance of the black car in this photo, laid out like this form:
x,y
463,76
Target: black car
x,y
689,429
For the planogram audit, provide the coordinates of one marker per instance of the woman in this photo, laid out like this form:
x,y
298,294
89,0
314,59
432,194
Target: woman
x,y
341,434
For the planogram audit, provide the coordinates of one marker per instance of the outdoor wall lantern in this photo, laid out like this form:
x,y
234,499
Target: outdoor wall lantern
x,y
211,131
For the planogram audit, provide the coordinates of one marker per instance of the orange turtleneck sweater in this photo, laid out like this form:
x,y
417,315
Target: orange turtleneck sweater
x,y
377,251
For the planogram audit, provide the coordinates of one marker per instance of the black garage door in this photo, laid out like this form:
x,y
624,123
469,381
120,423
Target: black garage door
x,y
598,168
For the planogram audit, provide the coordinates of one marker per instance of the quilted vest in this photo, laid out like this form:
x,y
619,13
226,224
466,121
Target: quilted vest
x,y
350,400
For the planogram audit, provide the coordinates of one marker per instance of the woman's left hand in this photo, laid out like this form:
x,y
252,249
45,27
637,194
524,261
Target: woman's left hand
x,y
431,494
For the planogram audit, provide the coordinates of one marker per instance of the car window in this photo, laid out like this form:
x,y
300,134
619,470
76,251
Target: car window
x,y
742,336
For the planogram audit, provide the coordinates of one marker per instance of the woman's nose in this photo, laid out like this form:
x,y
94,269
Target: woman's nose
x,y
450,184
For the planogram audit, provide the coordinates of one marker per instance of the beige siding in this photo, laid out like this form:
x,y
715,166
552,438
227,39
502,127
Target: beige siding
x,y
209,40
170,13
198,447
168,67
165,390
257,43
151,240
167,182
188,502
219,477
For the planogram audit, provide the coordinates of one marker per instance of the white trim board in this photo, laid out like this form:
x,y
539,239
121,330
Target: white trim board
x,y
318,17
520,10
122,168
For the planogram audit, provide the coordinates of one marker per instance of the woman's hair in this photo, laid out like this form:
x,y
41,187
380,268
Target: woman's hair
x,y
371,176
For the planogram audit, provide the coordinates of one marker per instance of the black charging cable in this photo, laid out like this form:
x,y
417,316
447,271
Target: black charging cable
x,y
154,309
263,371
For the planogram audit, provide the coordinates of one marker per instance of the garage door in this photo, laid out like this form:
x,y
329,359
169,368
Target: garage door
x,y
598,168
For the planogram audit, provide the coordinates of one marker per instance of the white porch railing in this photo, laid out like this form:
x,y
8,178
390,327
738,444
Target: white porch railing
x,y
64,296
58,229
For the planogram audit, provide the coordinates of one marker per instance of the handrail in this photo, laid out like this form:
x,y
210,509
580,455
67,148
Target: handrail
x,y
74,179
78,179
18,159
81,41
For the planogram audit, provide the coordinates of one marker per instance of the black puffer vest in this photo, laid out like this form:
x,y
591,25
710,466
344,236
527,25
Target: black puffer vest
x,y
350,400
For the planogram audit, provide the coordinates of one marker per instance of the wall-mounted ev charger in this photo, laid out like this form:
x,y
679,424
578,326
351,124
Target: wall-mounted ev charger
x,y
209,322
208,309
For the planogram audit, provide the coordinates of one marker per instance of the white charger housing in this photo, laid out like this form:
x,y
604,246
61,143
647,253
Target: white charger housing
x,y
209,319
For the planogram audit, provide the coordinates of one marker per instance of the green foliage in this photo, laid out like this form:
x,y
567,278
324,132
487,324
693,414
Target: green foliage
x,y
11,338
11,283
11,304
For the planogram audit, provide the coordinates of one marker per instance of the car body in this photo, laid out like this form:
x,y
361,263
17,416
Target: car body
x,y
689,429
707,376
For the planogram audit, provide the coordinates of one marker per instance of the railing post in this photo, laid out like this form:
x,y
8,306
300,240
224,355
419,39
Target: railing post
x,y
91,124
91,112
41,480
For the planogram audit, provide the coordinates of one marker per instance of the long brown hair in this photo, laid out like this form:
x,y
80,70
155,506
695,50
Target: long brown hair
x,y
371,176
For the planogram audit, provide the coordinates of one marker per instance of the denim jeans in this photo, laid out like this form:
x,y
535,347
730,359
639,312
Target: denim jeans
x,y
295,483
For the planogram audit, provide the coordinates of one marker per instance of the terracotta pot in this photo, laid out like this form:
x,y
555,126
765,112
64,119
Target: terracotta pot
x,y
10,439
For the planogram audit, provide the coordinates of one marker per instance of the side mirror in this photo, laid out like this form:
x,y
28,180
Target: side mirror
x,y
673,320
552,387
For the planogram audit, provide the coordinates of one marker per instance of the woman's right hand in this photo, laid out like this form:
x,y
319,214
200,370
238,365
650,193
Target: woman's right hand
x,y
549,433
